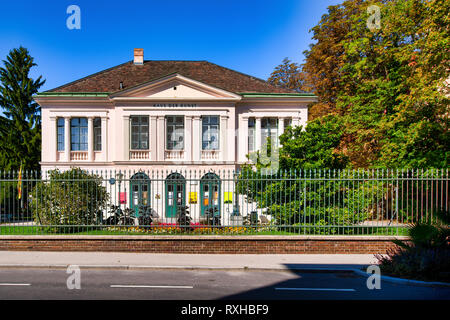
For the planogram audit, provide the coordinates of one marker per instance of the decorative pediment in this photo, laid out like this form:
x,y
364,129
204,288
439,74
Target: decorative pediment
x,y
174,87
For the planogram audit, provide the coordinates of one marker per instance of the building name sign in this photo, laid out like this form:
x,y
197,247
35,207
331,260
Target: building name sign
x,y
175,105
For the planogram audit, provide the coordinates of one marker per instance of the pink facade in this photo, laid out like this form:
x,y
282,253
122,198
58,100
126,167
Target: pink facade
x,y
149,129
158,101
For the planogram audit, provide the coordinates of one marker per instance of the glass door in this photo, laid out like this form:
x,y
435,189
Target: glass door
x,y
175,194
140,192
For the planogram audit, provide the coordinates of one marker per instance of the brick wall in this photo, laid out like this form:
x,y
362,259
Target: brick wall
x,y
204,244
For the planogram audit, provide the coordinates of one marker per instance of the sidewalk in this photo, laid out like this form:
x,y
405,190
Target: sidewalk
x,y
183,261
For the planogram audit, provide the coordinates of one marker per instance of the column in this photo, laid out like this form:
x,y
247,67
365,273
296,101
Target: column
x,y
126,137
53,146
257,133
105,138
153,138
91,138
188,139
295,121
67,138
303,117
161,138
196,138
243,139
223,138
280,129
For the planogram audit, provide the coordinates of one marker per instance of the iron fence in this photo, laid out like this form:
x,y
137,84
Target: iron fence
x,y
333,202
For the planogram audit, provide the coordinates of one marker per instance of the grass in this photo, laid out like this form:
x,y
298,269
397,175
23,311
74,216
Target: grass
x,y
37,230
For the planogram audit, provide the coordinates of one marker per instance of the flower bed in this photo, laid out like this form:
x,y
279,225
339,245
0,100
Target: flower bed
x,y
194,228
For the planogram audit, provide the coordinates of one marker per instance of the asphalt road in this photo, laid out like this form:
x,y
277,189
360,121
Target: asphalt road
x,y
203,285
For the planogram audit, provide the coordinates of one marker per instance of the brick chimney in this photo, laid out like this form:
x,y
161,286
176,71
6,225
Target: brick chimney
x,y
138,56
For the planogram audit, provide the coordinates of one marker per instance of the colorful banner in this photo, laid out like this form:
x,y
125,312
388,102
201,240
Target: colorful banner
x,y
193,197
228,197
122,197
19,183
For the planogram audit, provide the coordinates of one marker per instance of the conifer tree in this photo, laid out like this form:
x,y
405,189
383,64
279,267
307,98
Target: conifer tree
x,y
20,127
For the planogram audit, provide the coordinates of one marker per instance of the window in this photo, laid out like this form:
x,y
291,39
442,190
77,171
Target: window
x,y
251,134
97,134
79,134
139,132
210,132
60,134
287,122
175,132
269,128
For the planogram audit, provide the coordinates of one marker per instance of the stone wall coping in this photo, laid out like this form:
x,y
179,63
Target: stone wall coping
x,y
202,237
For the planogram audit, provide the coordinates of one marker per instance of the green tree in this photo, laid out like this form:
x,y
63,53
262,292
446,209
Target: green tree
x,y
20,127
294,194
288,75
313,148
389,85
322,69
393,114
69,199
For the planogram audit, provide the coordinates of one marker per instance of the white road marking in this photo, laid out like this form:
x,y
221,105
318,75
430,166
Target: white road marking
x,y
15,284
146,286
316,289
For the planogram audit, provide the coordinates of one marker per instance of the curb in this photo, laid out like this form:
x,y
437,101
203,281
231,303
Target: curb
x,y
406,281
146,267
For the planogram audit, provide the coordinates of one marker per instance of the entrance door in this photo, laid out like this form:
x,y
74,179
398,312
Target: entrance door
x,y
210,194
140,192
175,194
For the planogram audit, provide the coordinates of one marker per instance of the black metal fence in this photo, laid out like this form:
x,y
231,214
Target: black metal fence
x,y
360,202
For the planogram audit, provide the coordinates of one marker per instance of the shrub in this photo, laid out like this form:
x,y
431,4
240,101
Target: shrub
x,y
183,218
427,256
69,199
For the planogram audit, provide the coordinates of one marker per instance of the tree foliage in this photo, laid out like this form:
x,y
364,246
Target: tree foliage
x,y
69,199
383,102
20,127
389,86
393,100
288,75
314,147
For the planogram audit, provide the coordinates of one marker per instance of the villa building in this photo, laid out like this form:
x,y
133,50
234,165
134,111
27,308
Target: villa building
x,y
164,116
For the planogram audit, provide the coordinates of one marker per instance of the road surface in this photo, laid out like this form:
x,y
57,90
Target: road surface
x,y
29,283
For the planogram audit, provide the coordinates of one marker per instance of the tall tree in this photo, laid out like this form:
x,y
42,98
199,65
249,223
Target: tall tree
x,y
288,75
418,132
392,94
387,84
324,60
20,133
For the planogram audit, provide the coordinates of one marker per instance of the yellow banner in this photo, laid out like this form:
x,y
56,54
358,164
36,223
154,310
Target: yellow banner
x,y
228,197
193,197
19,184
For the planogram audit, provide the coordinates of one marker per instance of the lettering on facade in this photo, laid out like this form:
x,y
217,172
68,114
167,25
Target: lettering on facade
x,y
175,105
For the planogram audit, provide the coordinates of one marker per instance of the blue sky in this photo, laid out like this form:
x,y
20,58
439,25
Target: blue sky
x,y
250,36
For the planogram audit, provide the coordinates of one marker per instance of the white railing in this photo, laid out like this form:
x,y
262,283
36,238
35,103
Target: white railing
x,y
139,154
78,155
174,155
210,154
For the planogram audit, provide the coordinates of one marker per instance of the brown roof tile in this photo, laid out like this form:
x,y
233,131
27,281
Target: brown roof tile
x,y
203,71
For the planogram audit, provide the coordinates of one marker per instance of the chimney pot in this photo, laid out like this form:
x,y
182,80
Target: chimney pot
x,y
138,56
